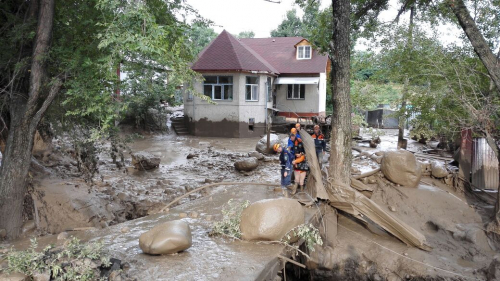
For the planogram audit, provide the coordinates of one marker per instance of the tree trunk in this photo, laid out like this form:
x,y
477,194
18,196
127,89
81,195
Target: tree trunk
x,y
402,114
341,135
477,40
26,111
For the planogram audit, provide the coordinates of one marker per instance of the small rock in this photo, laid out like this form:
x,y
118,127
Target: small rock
x,y
28,226
193,214
3,233
247,164
355,171
125,229
145,161
208,217
62,236
115,276
103,224
438,170
183,215
191,156
406,254
392,208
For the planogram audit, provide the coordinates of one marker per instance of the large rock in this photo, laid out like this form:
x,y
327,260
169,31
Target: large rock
x,y
438,170
166,238
401,167
247,164
270,219
144,160
262,144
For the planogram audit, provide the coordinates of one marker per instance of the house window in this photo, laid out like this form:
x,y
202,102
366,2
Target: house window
x,y
252,88
304,52
218,87
296,92
269,89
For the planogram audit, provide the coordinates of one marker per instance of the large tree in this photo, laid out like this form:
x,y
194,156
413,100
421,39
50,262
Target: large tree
x,y
72,49
341,135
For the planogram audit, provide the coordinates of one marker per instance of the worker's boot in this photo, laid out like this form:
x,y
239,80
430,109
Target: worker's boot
x,y
294,188
301,188
285,192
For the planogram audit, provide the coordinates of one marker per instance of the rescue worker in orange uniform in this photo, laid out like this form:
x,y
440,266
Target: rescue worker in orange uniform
x,y
319,144
299,163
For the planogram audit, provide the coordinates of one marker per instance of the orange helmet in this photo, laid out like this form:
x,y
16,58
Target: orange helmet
x,y
293,131
276,146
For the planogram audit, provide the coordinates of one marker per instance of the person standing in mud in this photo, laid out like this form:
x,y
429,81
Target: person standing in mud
x,y
319,144
286,158
299,163
300,169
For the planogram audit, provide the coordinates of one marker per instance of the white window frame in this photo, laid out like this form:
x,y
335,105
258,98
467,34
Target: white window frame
x,y
296,96
306,52
254,89
219,84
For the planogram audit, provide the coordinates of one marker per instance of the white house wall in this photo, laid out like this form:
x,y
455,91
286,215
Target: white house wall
x,y
310,105
227,118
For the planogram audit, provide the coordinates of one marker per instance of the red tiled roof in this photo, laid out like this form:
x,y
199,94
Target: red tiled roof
x,y
227,53
281,53
275,55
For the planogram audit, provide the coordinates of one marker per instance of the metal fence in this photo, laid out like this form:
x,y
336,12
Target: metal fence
x,y
484,165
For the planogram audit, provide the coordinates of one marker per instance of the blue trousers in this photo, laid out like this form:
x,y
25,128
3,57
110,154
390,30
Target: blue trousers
x,y
286,181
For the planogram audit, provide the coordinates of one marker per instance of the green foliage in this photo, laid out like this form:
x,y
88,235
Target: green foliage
x,y
246,34
290,26
374,133
308,233
75,261
231,218
200,35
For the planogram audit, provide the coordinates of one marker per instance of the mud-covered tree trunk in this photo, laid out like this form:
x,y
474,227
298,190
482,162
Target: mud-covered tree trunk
x,y
341,135
26,110
402,115
477,40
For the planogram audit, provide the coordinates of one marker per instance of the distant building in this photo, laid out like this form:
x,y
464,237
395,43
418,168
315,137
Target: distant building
x,y
251,77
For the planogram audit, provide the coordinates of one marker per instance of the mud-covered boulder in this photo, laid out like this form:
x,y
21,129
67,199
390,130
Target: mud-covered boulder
x,y
262,144
270,219
166,238
247,164
256,154
438,170
144,160
401,167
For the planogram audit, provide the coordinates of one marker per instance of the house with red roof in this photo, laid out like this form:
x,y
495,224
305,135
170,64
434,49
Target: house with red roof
x,y
251,79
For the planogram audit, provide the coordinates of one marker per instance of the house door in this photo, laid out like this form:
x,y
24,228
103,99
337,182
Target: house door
x,y
274,99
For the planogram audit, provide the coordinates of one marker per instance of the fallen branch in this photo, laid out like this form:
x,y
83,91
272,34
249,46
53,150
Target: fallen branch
x,y
292,261
367,174
213,184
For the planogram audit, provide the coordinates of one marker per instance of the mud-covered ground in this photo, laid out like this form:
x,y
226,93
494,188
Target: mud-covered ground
x,y
452,222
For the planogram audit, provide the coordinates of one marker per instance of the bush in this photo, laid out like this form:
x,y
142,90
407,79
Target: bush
x,y
75,261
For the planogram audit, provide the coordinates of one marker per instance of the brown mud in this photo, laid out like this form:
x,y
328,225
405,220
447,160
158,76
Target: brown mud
x,y
452,222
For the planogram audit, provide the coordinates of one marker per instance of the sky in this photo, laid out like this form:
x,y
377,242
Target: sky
x,y
236,16
261,17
